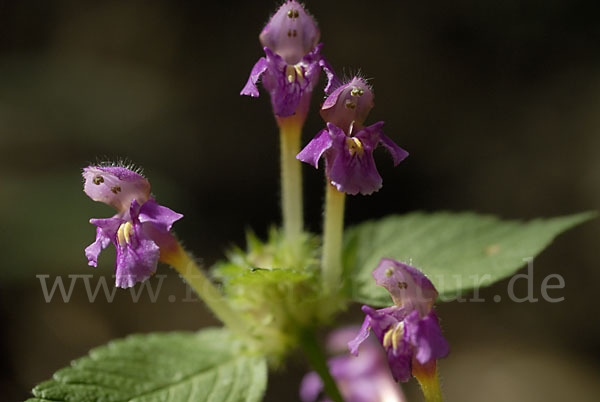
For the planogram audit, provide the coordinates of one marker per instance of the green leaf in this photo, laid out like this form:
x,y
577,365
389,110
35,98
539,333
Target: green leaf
x,y
205,366
457,251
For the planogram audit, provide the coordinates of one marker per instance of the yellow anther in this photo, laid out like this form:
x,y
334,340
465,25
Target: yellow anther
x,y
294,73
397,335
299,74
124,233
355,146
349,104
357,91
393,336
290,73
387,338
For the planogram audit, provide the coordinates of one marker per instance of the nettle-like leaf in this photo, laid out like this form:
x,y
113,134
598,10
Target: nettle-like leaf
x,y
205,366
457,251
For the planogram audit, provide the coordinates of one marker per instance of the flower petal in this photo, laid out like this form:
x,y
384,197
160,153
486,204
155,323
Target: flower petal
x,y
407,285
115,186
93,250
400,365
313,151
426,337
291,32
137,260
362,336
161,217
351,173
285,95
259,68
332,79
398,154
348,105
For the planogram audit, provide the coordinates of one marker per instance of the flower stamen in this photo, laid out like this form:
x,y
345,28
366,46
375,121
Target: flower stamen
x,y
355,146
124,233
294,73
393,336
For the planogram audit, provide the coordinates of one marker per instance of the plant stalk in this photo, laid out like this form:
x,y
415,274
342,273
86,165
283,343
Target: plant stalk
x,y
333,229
179,259
318,361
291,178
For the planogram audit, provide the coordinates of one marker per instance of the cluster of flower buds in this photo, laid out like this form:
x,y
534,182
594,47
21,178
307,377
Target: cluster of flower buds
x,y
140,230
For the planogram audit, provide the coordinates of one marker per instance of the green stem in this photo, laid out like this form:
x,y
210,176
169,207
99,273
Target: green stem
x,y
179,259
318,362
291,178
333,227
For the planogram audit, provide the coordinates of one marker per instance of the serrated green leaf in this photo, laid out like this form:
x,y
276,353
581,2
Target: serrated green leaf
x,y
457,251
204,366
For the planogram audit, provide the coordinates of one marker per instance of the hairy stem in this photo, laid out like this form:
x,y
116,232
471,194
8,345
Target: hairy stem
x,y
318,362
179,259
333,228
291,178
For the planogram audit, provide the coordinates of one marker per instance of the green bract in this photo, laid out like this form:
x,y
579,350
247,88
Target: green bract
x,y
276,286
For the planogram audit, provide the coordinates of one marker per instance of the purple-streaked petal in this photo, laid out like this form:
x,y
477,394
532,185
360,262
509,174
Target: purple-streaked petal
x,y
93,250
291,32
161,217
115,186
137,258
398,154
351,173
348,105
426,337
259,68
362,336
313,151
407,285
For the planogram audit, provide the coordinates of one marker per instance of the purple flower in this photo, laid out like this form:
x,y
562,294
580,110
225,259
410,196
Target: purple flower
x,y
409,330
293,61
364,378
141,228
348,145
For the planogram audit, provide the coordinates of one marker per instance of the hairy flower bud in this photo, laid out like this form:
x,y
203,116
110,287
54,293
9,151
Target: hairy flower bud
x,y
291,32
349,105
115,186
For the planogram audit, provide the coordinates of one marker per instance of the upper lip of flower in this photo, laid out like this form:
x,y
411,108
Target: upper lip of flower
x,y
291,32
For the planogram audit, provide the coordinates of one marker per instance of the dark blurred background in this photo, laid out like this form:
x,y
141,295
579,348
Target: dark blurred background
x,y
497,102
